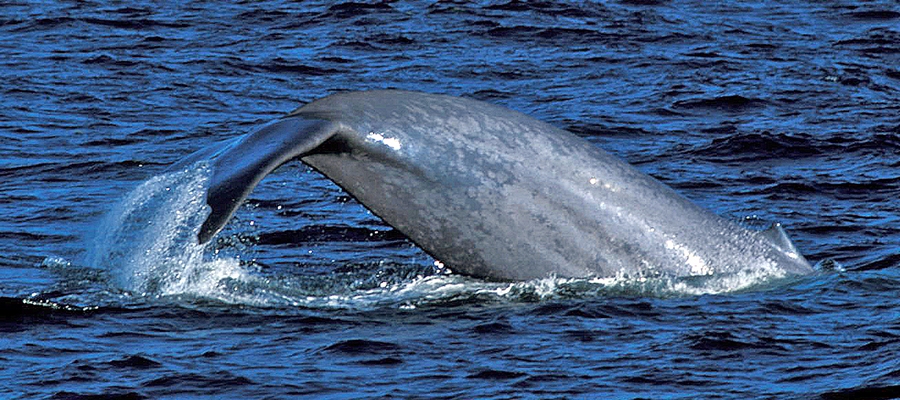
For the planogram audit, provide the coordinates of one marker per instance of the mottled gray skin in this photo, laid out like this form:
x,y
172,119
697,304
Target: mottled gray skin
x,y
491,192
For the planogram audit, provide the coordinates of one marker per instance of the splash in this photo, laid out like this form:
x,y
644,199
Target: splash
x,y
446,289
148,241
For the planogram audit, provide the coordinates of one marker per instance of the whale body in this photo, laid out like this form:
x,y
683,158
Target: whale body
x,y
491,192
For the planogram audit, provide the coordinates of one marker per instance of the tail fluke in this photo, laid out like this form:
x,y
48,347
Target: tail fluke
x,y
239,165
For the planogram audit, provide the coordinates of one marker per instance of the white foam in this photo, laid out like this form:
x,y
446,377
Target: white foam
x,y
148,242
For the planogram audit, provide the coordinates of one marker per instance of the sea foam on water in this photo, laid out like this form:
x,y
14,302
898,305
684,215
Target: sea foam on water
x,y
148,242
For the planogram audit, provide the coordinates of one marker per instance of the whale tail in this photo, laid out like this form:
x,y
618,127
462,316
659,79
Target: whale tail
x,y
238,165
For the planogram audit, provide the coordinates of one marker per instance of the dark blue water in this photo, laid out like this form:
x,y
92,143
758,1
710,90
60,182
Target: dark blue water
x,y
760,111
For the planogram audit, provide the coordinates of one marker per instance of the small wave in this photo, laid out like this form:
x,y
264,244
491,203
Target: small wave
x,y
877,41
576,35
75,170
11,307
492,94
356,9
135,362
134,23
873,392
552,8
730,103
361,346
219,383
328,233
496,375
874,15
877,143
760,145
148,242
281,66
447,289
717,340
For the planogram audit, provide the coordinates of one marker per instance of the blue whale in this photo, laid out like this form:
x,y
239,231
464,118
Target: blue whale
x,y
491,192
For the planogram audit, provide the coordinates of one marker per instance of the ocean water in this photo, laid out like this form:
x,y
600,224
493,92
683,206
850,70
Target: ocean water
x,y
762,112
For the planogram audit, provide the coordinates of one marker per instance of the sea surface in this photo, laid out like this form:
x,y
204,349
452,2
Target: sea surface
x,y
760,111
